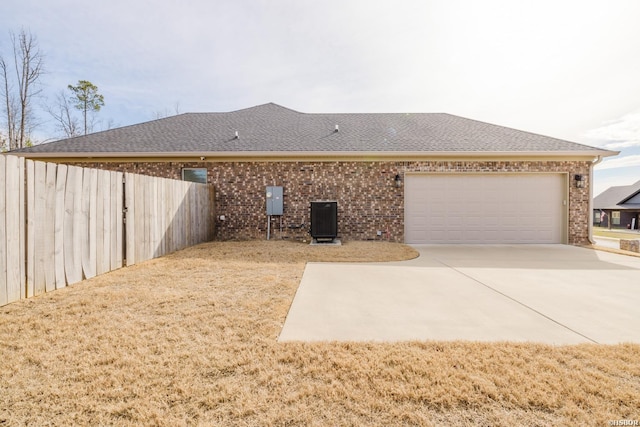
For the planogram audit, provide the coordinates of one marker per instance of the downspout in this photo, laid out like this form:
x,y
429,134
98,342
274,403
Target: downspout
x,y
593,164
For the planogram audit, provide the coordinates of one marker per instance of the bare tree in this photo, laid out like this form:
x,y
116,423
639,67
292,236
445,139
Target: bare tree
x,y
20,86
62,113
3,143
109,124
166,113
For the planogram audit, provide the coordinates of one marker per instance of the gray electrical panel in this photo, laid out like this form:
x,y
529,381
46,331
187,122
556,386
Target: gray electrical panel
x,y
275,204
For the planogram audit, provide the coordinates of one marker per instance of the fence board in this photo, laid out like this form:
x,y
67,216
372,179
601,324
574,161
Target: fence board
x,y
3,235
148,217
59,222
31,229
68,225
176,195
85,206
129,195
88,223
113,194
49,233
105,183
22,234
187,215
158,249
117,240
15,261
200,230
40,218
159,218
180,204
195,232
168,212
100,224
171,214
72,245
138,219
93,226
144,218
78,232
133,252
152,217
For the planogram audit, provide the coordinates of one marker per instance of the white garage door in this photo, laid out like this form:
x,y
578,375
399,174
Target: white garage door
x,y
474,208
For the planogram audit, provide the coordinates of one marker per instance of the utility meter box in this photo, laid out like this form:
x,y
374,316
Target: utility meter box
x,y
275,204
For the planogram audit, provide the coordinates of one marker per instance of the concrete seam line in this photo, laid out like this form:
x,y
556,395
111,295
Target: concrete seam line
x,y
518,302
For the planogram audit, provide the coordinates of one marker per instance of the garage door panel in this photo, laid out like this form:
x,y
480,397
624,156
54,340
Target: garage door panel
x,y
475,208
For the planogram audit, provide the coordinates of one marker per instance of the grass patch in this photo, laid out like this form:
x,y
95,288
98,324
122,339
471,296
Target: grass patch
x,y
630,235
190,339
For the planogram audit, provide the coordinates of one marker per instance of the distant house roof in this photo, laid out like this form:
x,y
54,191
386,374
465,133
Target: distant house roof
x,y
622,197
271,129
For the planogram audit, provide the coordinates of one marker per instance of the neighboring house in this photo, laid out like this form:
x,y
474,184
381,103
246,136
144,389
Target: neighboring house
x,y
618,207
415,178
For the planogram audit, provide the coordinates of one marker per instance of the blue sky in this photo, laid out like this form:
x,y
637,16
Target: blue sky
x,y
563,68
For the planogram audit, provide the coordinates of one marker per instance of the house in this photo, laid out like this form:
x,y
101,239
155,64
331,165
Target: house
x,y
618,207
415,178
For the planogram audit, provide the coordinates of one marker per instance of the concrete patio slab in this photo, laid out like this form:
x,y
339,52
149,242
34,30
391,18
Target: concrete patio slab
x,y
552,294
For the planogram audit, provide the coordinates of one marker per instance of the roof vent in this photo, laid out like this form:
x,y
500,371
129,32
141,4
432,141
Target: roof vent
x,y
337,128
237,136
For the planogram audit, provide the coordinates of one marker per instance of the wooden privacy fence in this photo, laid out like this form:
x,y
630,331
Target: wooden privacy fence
x,y
61,224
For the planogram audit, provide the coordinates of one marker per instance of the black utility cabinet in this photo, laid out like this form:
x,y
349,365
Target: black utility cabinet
x,y
324,220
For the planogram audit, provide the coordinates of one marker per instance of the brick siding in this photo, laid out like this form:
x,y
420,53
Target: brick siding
x,y
630,245
367,197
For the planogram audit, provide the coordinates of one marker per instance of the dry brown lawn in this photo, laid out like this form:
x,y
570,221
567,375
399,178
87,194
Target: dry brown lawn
x,y
190,339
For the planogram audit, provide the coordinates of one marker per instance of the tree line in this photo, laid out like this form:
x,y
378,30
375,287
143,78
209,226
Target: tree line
x,y
20,72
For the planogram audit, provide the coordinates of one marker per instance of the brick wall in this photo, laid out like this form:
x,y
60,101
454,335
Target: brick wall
x,y
367,197
630,245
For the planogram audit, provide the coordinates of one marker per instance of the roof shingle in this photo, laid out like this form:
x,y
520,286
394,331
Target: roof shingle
x,y
614,197
273,128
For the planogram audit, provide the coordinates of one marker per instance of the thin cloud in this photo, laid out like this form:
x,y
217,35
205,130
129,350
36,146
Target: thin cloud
x,y
620,162
617,134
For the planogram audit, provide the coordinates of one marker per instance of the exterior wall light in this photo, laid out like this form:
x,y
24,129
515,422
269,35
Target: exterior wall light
x,y
398,181
579,181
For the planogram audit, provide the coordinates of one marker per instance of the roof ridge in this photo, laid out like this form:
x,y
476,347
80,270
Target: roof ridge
x,y
266,105
635,190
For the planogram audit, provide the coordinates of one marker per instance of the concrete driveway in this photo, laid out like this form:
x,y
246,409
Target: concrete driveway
x,y
607,242
554,294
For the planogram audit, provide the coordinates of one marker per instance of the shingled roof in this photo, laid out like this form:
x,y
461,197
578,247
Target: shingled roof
x,y
620,197
270,128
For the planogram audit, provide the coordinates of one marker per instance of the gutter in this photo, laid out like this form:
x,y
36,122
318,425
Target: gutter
x,y
333,155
